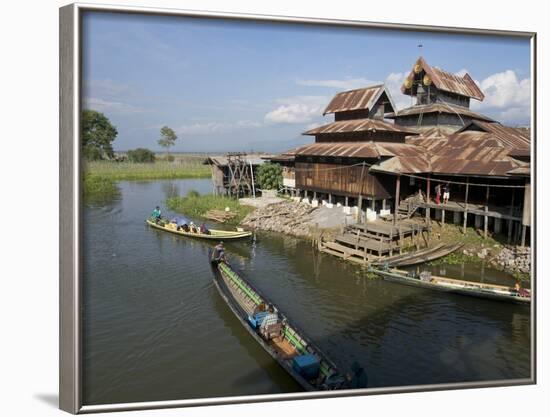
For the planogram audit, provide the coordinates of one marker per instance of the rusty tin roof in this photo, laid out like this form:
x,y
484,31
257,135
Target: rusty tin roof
x,y
444,80
358,125
361,98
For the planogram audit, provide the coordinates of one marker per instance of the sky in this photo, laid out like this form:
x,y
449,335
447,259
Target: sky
x,y
228,85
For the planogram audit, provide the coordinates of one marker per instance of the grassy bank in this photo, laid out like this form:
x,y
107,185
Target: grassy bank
x,y
473,243
189,167
196,205
99,189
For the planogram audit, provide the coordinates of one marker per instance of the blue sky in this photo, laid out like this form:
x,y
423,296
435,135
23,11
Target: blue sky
x,y
235,85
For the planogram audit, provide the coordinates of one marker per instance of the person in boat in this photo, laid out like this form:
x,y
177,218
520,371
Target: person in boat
x,y
181,223
522,292
192,227
358,378
219,253
203,229
156,214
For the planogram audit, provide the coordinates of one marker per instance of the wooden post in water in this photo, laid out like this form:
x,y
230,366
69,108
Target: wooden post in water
x,y
396,208
466,206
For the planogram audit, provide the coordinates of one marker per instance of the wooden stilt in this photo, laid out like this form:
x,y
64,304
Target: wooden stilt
x,y
485,223
396,208
428,198
383,204
511,222
523,233
466,205
347,201
442,218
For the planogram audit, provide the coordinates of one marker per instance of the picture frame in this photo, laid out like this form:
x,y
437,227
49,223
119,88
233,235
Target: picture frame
x,y
70,202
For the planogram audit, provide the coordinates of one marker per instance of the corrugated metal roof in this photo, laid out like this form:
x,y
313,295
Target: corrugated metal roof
x,y
404,165
222,160
361,98
510,137
361,149
438,108
358,125
443,80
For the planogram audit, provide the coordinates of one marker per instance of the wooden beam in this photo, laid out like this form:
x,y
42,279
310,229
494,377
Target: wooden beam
x,y
466,205
510,222
428,197
523,233
397,189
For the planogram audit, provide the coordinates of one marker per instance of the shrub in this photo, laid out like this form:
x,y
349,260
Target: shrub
x,y
169,158
270,176
193,194
141,155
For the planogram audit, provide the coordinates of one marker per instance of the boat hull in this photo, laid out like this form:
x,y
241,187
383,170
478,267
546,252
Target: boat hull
x,y
242,316
214,234
402,279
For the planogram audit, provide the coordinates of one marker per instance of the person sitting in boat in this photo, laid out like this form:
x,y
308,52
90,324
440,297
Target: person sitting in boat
x,y
181,223
219,253
358,378
203,229
157,214
192,227
521,292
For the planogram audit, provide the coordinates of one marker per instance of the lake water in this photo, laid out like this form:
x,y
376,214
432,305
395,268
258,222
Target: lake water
x,y
155,328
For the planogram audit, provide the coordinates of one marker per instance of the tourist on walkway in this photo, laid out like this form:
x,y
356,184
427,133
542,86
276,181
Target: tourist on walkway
x,y
438,194
446,193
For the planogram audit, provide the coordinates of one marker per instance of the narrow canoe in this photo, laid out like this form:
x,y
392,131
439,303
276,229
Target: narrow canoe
x,y
287,345
213,235
457,286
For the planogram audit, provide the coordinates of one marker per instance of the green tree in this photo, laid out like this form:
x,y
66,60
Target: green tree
x,y
98,135
167,137
141,155
270,176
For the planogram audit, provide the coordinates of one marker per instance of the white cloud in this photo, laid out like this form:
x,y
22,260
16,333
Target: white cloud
x,y
507,98
102,105
216,127
297,110
393,82
462,72
345,84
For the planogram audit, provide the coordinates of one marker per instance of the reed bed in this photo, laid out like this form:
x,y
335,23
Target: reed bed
x,y
189,167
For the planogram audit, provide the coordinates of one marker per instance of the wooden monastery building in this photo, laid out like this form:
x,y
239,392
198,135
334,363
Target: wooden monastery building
x,y
377,158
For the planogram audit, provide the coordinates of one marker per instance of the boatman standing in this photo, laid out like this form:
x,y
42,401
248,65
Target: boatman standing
x,y
157,214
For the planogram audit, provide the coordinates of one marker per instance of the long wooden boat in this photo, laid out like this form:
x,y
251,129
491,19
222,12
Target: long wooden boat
x,y
457,286
421,256
213,235
272,330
